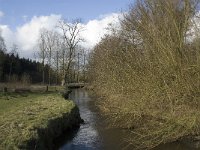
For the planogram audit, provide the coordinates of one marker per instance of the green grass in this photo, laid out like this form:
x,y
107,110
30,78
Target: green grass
x,y
21,116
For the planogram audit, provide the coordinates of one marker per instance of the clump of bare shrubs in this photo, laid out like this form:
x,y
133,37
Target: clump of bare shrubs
x,y
149,72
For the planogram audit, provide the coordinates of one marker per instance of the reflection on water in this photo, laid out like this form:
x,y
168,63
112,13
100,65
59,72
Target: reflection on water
x,y
87,137
94,133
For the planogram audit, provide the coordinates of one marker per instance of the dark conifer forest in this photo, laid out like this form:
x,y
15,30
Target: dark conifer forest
x,y
14,69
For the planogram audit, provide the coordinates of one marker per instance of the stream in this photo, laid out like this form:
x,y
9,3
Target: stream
x,y
94,134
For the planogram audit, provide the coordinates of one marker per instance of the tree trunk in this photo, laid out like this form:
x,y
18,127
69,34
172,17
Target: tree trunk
x,y
47,88
49,76
78,69
57,68
43,75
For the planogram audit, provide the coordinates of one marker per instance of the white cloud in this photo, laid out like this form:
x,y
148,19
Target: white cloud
x,y
8,35
26,35
96,29
1,14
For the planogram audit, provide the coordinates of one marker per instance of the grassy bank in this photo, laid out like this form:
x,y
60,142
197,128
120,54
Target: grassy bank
x,y
32,121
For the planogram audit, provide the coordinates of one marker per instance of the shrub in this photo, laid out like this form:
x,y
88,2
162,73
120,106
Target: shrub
x,y
148,73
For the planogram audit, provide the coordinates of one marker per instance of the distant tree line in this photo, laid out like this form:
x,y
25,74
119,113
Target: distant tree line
x,y
60,58
15,69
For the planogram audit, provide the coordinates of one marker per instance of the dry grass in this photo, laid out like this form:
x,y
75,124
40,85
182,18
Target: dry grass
x,y
34,88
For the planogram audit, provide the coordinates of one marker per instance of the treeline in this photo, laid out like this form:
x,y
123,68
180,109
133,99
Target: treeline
x,y
148,72
14,69
61,59
62,52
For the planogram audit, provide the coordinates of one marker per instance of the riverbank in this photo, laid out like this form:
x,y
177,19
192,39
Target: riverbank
x,y
34,120
189,141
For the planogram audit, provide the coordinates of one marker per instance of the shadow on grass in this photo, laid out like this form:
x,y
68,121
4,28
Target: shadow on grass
x,y
57,132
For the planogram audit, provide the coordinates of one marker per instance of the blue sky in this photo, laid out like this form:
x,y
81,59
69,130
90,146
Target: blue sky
x,y
16,12
21,20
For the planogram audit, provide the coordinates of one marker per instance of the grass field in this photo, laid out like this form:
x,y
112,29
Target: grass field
x,y
28,118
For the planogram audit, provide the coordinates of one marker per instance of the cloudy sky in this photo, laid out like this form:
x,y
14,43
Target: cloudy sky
x,y
21,20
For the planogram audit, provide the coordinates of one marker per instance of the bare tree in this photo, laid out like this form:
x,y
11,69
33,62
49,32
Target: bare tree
x,y
80,64
71,36
57,55
84,63
62,59
42,52
48,45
